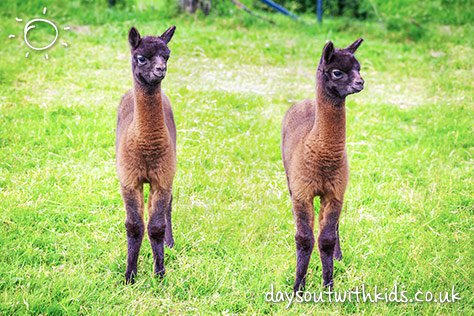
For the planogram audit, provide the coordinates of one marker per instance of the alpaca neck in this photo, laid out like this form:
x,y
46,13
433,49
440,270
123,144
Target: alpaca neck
x,y
329,129
149,120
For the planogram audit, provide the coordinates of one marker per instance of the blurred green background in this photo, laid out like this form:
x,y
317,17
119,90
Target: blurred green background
x,y
408,214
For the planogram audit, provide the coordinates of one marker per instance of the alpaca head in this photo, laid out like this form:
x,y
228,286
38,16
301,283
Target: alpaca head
x,y
338,71
149,56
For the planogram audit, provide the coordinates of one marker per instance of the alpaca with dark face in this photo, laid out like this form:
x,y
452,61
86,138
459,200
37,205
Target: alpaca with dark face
x,y
315,160
146,150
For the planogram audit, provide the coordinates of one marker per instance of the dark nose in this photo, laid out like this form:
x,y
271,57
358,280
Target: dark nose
x,y
359,82
160,68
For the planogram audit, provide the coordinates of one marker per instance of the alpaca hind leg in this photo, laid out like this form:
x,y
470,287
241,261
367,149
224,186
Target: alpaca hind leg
x,y
169,241
157,228
337,248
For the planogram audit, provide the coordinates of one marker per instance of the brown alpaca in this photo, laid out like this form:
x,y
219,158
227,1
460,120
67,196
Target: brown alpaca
x,y
146,150
315,161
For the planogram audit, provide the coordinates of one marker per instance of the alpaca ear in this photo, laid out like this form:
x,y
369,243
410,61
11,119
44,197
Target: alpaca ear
x,y
328,52
353,47
168,34
134,37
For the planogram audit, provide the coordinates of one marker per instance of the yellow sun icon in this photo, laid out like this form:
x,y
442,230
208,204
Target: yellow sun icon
x,y
32,24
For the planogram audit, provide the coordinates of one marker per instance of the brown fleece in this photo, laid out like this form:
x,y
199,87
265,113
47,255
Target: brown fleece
x,y
146,150
315,160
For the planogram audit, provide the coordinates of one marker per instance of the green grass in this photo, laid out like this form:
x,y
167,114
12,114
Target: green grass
x,y
409,206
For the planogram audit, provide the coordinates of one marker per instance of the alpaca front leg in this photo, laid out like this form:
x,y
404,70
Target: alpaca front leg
x,y
327,239
157,228
169,241
303,213
133,199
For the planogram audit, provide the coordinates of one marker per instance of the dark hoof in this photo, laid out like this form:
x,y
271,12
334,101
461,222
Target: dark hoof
x,y
160,274
299,286
129,278
169,242
338,255
329,285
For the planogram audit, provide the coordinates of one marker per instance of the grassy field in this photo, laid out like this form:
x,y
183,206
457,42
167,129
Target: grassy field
x,y
408,215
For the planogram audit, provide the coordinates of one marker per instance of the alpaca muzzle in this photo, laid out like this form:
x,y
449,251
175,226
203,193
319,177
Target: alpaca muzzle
x,y
358,86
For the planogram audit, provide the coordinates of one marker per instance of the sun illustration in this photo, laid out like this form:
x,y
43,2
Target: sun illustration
x,y
30,25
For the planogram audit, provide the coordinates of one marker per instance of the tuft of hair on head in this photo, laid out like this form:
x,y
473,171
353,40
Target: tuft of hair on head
x,y
168,34
134,37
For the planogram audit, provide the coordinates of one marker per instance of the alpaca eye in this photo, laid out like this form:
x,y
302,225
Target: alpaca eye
x,y
337,73
141,59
